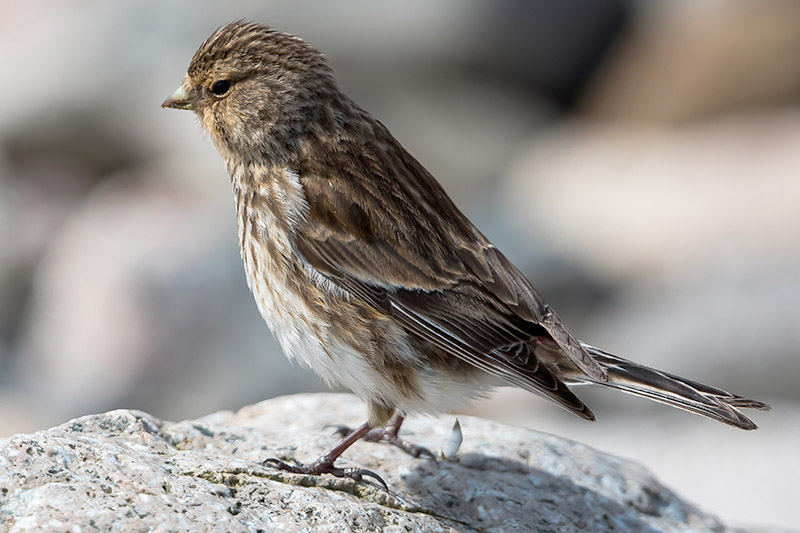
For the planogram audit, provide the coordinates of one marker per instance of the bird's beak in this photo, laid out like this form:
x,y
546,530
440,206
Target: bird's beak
x,y
182,98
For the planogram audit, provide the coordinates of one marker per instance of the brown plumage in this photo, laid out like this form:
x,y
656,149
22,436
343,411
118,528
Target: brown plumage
x,y
362,265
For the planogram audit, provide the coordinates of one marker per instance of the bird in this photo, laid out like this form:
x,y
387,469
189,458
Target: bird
x,y
366,271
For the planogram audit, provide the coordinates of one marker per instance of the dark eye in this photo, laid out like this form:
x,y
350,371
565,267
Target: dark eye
x,y
220,87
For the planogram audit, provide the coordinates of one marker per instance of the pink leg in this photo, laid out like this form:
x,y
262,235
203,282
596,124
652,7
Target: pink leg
x,y
388,434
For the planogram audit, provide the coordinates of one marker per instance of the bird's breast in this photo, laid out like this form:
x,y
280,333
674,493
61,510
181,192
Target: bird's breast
x,y
313,325
269,205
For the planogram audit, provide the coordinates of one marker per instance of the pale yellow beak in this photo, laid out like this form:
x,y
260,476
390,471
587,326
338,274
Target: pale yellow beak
x,y
182,98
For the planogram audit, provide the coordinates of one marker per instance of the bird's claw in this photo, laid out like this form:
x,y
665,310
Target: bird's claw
x,y
358,474
321,466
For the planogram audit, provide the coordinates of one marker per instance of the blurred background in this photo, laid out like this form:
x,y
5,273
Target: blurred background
x,y
638,160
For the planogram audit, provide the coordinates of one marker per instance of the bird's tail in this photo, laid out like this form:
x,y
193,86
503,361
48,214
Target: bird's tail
x,y
673,390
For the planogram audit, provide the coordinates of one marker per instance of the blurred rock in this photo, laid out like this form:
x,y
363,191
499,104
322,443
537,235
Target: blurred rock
x,y
637,201
128,470
549,47
65,152
49,161
141,301
688,60
89,333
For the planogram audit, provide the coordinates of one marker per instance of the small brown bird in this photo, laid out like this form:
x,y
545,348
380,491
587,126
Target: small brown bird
x,y
366,271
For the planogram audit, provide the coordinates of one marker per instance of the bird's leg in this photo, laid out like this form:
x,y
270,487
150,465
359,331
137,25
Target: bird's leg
x,y
388,434
324,464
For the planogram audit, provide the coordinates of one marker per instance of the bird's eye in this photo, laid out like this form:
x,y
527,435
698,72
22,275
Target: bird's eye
x,y
220,87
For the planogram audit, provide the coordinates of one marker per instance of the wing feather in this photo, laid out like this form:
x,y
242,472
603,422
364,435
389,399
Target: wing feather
x,y
398,243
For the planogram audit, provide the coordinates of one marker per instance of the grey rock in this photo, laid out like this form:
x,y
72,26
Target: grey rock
x,y
129,471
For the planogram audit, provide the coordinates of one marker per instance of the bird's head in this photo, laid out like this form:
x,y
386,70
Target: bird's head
x,y
257,91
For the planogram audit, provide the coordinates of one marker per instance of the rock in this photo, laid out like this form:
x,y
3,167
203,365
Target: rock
x,y
659,71
636,202
128,471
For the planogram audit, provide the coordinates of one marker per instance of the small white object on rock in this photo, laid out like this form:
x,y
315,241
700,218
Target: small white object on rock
x,y
453,442
128,471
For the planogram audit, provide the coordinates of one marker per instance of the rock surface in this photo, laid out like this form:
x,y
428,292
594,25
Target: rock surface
x,y
128,471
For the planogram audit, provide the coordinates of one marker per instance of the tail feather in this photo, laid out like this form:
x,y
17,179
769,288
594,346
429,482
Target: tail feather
x,y
673,390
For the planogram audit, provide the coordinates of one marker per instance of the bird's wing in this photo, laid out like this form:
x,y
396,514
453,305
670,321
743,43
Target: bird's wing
x,y
403,247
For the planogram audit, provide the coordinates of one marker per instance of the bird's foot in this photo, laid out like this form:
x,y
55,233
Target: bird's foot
x,y
387,435
324,465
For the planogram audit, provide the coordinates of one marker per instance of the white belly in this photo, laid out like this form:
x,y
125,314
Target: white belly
x,y
302,335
